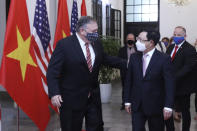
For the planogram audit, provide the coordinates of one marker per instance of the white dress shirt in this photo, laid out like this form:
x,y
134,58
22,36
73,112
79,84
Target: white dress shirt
x,y
83,47
179,45
146,59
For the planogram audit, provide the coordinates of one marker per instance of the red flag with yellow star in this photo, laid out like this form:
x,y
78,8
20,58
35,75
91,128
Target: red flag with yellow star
x,y
19,73
62,26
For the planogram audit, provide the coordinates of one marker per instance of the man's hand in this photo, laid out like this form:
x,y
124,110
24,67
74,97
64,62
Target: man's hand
x,y
56,100
167,114
128,108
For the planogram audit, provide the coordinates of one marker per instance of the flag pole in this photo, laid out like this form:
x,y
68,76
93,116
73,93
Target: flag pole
x,y
17,118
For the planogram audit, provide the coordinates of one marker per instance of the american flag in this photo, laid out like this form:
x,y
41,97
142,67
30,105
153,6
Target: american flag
x,y
74,17
41,33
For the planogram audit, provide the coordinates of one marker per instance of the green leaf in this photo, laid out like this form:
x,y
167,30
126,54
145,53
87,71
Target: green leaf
x,y
111,47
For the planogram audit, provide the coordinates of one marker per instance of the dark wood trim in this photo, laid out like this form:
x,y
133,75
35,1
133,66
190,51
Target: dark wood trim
x,y
7,8
97,14
113,21
135,24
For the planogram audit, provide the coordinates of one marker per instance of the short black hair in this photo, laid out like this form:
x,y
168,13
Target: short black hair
x,y
165,38
154,36
83,21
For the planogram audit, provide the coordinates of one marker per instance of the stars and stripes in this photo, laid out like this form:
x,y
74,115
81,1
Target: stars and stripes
x,y
41,23
41,32
74,17
88,59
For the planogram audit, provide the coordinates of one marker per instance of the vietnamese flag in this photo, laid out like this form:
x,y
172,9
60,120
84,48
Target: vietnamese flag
x,y
83,8
62,26
19,73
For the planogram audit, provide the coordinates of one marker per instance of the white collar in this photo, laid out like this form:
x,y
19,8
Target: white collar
x,y
80,40
150,53
179,45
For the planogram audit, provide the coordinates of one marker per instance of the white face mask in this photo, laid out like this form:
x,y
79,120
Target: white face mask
x,y
140,47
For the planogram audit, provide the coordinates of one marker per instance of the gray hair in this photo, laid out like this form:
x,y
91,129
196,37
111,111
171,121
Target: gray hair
x,y
83,21
183,28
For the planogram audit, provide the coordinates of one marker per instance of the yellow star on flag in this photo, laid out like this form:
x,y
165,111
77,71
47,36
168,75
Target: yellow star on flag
x,y
64,34
21,53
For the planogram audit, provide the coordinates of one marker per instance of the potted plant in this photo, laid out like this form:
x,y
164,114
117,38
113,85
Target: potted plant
x,y
111,47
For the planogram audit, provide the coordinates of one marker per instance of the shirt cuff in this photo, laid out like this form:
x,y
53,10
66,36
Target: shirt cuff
x,y
127,104
168,109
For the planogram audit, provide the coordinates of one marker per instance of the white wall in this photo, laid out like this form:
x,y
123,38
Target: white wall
x,y
115,4
119,4
172,16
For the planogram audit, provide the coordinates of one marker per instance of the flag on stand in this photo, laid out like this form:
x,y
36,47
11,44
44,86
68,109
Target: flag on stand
x,y
74,17
62,26
42,42
20,72
83,8
41,34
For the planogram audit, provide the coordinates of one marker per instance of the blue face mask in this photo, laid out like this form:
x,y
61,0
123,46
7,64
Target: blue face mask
x,y
165,43
92,37
178,40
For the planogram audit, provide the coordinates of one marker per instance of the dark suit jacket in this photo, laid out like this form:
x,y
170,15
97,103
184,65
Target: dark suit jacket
x,y
184,63
155,90
68,72
123,54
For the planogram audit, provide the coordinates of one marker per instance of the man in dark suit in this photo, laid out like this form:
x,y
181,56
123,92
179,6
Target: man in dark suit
x,y
183,58
124,53
72,77
149,85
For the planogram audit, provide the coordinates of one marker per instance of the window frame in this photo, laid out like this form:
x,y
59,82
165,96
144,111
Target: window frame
x,y
97,14
141,11
116,32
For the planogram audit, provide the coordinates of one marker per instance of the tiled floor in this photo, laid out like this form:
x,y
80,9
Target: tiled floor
x,y
114,119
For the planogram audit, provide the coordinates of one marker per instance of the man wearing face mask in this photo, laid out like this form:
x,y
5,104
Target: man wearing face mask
x,y
72,77
149,84
183,57
125,53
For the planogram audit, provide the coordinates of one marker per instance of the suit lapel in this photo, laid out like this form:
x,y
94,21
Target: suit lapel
x,y
139,62
79,51
169,52
180,50
153,60
96,55
125,54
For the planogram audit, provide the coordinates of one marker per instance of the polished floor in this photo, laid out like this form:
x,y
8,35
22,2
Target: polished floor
x,y
114,119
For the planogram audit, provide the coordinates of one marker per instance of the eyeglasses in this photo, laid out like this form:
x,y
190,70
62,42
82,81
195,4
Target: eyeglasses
x,y
139,39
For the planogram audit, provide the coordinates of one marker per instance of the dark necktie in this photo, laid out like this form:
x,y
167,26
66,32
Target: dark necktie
x,y
174,53
88,57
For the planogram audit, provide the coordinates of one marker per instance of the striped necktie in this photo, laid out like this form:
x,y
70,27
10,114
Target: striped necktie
x,y
88,57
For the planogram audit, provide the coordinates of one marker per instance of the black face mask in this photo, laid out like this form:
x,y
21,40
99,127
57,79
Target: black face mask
x,y
130,42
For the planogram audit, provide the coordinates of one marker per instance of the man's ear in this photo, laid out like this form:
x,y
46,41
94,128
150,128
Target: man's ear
x,y
82,31
185,36
152,42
